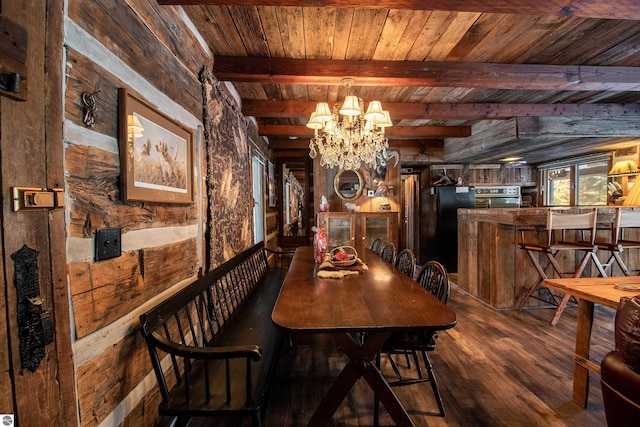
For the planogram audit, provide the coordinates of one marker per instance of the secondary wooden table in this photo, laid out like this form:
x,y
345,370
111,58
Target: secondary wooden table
x,y
376,302
589,291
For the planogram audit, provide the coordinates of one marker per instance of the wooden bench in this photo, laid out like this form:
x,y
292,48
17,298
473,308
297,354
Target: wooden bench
x,y
213,345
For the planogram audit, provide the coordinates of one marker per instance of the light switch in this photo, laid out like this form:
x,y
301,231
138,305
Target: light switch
x,y
108,243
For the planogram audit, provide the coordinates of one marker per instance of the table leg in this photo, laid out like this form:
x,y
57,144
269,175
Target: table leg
x,y
360,366
583,342
388,398
338,391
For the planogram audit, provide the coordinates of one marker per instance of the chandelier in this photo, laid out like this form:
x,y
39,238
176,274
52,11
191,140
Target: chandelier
x,y
347,137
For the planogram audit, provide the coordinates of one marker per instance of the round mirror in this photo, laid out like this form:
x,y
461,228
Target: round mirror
x,y
348,184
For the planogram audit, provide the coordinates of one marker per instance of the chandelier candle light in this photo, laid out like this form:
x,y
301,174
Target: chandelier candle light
x,y
348,137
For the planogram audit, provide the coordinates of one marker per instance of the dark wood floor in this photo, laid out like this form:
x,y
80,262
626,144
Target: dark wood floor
x,y
495,368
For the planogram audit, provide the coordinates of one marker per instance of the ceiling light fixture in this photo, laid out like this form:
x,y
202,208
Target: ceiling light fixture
x,y
510,159
347,137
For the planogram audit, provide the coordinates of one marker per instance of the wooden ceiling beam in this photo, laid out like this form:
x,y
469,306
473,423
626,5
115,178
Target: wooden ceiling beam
x,y
620,9
517,136
427,74
539,151
288,144
576,147
303,144
448,111
394,132
410,132
577,127
487,138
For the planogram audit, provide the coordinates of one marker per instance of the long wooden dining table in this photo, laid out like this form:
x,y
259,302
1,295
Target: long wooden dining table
x,y
372,305
590,291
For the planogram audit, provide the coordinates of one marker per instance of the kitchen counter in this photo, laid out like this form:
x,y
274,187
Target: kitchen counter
x,y
493,268
528,217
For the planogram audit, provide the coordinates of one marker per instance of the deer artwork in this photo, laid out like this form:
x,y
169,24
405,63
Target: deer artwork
x,y
167,163
379,174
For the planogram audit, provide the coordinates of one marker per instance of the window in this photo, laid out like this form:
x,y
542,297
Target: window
x,y
559,187
258,199
576,182
592,184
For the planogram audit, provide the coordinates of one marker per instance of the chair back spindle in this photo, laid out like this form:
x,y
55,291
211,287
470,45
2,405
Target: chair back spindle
x,y
406,262
433,277
388,253
376,246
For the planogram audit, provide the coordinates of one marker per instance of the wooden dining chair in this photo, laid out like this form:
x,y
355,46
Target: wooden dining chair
x,y
406,262
434,279
560,225
376,246
626,220
388,253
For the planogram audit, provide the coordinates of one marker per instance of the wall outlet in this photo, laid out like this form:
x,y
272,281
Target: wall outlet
x,y
108,243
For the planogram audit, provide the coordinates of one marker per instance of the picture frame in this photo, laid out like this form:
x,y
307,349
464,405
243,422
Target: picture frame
x,y
156,154
271,185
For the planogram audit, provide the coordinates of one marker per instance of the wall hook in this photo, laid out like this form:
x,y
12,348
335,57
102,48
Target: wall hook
x,y
89,102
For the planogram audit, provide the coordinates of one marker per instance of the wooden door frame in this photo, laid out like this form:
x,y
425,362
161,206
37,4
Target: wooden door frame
x,y
294,241
45,100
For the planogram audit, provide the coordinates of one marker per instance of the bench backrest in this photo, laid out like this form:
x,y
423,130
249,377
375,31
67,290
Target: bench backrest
x,y
194,315
228,284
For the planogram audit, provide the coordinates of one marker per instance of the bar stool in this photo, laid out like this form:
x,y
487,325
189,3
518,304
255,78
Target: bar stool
x,y
559,222
625,219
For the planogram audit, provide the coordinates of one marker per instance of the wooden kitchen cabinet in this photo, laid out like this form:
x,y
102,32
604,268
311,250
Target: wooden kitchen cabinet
x,y
359,229
339,228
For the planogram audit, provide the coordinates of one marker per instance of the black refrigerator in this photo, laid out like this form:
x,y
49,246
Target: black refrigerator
x,y
439,223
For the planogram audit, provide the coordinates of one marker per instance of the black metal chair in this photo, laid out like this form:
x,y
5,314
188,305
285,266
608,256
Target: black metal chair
x,y
376,246
433,278
406,262
388,253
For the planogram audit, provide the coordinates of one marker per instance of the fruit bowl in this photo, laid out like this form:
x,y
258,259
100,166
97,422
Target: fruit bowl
x,y
343,256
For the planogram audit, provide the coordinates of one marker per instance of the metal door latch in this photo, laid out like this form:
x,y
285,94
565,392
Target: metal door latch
x,y
35,325
28,198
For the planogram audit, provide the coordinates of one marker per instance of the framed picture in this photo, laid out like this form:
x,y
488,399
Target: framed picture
x,y
271,186
156,154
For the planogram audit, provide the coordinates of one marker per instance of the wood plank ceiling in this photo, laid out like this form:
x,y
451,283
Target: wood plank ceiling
x,y
542,80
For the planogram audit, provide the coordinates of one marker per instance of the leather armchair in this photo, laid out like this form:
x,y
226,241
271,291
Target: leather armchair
x,y
620,369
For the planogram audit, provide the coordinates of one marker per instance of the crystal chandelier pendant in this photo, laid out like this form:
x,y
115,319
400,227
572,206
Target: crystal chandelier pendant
x,y
346,137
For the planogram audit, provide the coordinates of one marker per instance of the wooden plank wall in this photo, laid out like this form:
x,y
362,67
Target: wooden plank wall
x,y
153,52
324,186
487,174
